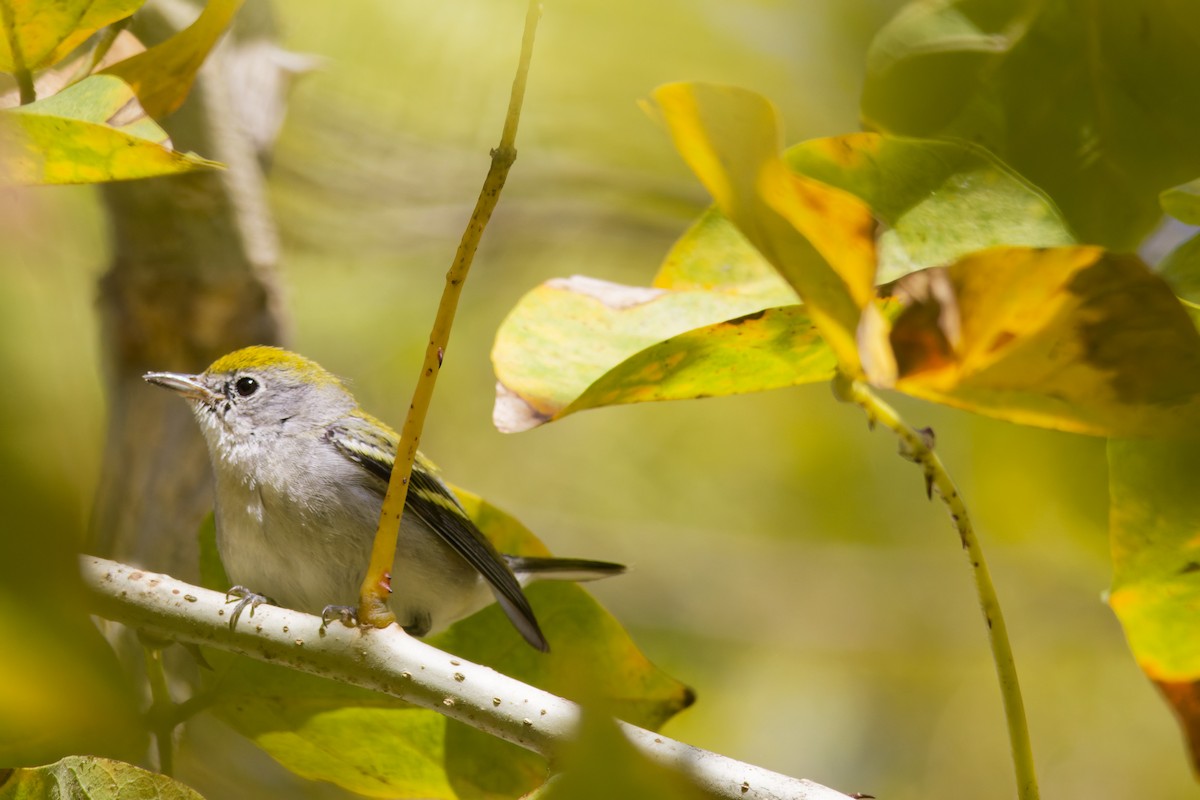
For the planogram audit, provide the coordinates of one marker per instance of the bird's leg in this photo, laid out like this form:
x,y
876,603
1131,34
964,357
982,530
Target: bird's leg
x,y
347,615
244,597
422,624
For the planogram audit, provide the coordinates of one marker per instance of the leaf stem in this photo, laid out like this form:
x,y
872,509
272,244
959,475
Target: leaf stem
x,y
372,605
21,72
104,43
917,446
162,708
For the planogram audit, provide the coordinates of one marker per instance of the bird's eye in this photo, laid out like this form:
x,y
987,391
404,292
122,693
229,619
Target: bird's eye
x,y
246,386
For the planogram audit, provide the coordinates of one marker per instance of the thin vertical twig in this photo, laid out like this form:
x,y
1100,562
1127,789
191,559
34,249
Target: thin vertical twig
x,y
372,606
917,446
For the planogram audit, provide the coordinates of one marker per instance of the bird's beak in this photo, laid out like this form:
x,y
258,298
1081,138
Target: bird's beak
x,y
188,386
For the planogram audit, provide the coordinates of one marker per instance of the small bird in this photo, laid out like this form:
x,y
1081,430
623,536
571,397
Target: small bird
x,y
301,471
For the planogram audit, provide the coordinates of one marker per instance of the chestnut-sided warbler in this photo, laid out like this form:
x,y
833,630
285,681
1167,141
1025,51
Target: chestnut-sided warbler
x,y
300,474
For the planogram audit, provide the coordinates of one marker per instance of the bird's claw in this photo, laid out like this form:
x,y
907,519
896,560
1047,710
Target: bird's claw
x,y
244,597
347,615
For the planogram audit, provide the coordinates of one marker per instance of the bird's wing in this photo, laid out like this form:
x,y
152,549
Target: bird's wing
x,y
372,445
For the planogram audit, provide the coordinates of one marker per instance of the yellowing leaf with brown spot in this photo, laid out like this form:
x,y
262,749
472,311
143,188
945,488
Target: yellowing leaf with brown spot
x,y
38,33
567,333
768,349
579,343
820,238
1071,338
1154,528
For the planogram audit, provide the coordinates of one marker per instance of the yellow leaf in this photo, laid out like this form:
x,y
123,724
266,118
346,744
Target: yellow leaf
x,y
820,238
40,33
163,75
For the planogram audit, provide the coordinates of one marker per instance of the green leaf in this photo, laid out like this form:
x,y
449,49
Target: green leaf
x,y
162,76
1183,202
87,778
1181,270
602,764
94,131
940,200
818,237
62,689
1096,103
714,255
319,729
212,571
38,33
378,746
1154,524
1071,338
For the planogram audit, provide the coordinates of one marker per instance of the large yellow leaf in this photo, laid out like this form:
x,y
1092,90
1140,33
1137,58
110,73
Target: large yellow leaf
x,y
820,238
37,33
1072,338
163,75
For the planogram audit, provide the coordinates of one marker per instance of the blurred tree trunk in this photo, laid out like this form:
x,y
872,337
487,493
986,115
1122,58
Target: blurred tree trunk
x,y
193,277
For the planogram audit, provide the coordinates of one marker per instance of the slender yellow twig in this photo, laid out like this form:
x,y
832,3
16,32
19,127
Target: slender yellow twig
x,y
917,446
372,604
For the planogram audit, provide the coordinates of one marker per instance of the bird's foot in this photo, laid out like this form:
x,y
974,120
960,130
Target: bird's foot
x,y
244,597
347,615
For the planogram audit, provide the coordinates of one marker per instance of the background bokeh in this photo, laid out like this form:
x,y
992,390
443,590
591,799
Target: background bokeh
x,y
786,563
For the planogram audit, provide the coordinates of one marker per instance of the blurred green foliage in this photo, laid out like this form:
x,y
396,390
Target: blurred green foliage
x,y
786,564
1091,101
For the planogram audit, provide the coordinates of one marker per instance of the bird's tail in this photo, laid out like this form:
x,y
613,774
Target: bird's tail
x,y
533,568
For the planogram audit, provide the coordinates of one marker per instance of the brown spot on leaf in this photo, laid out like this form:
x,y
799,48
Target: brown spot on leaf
x,y
926,333
1184,699
1001,340
1135,329
747,318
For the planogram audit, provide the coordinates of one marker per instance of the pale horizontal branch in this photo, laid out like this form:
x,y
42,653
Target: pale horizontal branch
x,y
390,661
